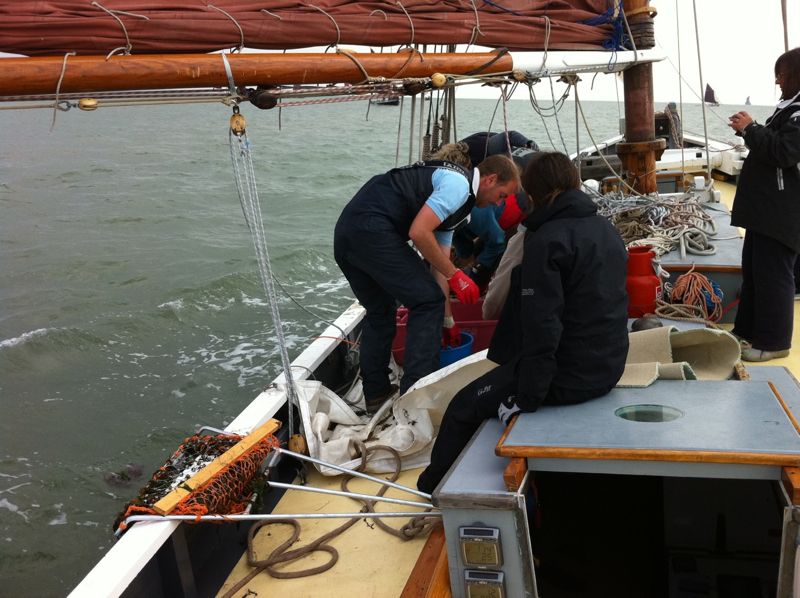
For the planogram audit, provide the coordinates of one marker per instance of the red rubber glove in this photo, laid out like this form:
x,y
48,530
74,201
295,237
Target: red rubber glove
x,y
464,288
512,214
451,337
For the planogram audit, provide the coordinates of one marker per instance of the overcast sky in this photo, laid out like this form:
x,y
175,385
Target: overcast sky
x,y
739,43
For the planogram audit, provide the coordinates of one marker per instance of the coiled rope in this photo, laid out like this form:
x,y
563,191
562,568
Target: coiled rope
x,y
660,222
418,525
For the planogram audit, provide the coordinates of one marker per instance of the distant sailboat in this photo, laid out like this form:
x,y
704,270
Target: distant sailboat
x,y
710,97
747,101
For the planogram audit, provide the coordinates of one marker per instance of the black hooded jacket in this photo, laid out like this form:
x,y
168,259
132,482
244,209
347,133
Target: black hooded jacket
x,y
768,191
566,317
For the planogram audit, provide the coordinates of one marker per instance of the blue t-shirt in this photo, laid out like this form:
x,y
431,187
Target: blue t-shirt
x,y
450,191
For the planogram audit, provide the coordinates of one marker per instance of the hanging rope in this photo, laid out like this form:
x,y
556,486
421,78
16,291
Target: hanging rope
x,y
244,173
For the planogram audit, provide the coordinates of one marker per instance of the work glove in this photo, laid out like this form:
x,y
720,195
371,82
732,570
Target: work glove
x,y
507,409
451,333
466,291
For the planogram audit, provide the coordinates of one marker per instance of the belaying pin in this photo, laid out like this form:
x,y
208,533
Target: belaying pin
x,y
238,123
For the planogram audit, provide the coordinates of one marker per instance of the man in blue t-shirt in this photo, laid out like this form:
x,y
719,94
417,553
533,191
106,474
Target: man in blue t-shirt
x,y
423,203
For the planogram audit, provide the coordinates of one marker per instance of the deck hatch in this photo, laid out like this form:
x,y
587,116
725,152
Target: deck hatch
x,y
727,421
648,413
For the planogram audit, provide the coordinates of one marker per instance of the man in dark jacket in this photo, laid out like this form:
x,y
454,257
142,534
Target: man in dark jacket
x,y
562,337
767,204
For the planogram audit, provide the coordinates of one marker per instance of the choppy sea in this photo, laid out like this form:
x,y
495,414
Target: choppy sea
x,y
131,311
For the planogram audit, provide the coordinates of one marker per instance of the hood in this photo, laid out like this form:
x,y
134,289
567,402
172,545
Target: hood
x,y
570,204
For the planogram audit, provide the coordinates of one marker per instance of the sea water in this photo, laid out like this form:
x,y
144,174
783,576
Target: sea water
x,y
131,311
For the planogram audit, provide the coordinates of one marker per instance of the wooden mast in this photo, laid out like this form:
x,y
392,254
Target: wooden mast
x,y
87,74
641,149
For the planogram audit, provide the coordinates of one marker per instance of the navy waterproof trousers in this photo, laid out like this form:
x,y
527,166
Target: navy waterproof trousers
x,y
766,304
383,270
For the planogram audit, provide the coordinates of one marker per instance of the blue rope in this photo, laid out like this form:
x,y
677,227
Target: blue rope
x,y
618,40
503,8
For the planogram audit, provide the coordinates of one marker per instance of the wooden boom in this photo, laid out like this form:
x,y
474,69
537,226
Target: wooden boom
x,y
87,74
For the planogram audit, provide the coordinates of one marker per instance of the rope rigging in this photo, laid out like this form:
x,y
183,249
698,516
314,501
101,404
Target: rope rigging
x,y
244,173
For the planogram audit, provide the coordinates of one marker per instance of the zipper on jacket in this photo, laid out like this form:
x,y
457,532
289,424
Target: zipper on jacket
x,y
780,179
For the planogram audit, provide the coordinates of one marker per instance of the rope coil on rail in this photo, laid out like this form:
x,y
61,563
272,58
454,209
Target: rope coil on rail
x,y
662,223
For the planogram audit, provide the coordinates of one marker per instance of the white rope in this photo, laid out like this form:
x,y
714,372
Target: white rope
x,y
244,173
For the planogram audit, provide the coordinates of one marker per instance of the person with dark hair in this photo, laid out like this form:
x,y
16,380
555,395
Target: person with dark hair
x,y
485,143
421,202
562,337
767,205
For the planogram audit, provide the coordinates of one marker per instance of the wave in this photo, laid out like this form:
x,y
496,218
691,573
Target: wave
x,y
24,337
54,337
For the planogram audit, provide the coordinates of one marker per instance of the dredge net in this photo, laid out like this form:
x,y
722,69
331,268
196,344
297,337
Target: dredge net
x,y
228,492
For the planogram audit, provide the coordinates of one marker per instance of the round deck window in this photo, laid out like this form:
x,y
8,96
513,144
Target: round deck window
x,y
648,413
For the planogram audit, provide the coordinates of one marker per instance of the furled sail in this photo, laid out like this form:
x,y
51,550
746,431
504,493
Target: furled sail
x,y
151,26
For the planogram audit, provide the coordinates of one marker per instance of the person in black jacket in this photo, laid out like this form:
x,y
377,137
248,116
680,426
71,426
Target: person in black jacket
x,y
562,337
767,204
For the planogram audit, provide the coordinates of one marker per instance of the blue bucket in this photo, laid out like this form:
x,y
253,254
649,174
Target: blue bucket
x,y
450,355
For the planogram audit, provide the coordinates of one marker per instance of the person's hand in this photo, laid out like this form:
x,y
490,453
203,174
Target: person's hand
x,y
507,409
451,336
462,285
740,121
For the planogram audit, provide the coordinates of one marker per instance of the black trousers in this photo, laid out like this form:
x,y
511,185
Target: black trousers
x,y
383,270
766,304
477,402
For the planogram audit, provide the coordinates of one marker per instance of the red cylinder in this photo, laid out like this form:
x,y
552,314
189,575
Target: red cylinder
x,y
642,284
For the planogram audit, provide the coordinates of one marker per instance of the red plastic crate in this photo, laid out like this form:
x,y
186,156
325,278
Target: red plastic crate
x,y
468,319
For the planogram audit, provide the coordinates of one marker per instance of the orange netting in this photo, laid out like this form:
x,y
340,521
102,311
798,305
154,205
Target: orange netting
x,y
228,492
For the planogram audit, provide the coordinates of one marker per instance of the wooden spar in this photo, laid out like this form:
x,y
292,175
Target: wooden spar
x,y
641,149
87,74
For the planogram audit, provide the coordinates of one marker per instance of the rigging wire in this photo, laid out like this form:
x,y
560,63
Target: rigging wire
x,y
244,173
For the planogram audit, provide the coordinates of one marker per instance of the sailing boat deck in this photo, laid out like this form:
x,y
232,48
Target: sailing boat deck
x,y
722,429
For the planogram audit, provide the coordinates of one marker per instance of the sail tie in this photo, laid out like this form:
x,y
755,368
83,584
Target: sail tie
x,y
272,14
244,173
235,22
56,103
477,28
335,24
126,49
410,21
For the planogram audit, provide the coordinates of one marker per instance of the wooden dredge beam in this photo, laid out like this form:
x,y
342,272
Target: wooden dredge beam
x,y
171,500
